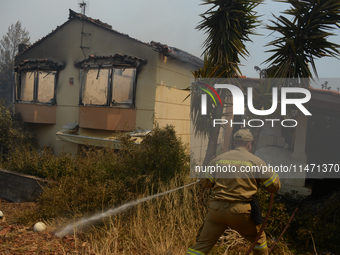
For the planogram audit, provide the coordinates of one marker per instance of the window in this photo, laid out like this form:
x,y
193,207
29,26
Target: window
x,y
96,86
46,84
36,86
109,80
36,81
27,86
122,87
108,87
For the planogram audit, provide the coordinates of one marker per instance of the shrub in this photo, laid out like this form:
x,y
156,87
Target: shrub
x,y
315,223
318,222
99,178
13,133
41,163
161,154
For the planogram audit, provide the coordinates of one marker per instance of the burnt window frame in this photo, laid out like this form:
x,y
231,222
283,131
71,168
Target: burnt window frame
x,y
111,69
36,66
117,61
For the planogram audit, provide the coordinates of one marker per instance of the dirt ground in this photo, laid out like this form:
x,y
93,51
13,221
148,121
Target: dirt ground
x,y
18,238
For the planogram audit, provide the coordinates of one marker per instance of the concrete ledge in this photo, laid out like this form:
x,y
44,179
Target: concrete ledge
x,y
18,187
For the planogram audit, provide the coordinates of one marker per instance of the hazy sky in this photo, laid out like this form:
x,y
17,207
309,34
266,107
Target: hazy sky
x,y
169,22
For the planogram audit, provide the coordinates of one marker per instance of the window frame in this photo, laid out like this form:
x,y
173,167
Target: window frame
x,y
36,66
109,86
18,96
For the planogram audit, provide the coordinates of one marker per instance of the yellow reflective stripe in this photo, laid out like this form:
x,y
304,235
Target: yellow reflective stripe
x,y
192,251
234,162
261,246
270,180
210,177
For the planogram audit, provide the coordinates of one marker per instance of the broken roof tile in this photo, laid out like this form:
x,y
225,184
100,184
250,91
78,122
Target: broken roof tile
x,y
74,14
116,59
176,53
43,63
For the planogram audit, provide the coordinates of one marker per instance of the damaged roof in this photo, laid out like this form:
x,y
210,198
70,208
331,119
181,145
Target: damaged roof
x,y
74,14
176,53
44,63
162,48
117,59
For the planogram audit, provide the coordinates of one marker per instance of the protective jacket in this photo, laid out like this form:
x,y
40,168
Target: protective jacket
x,y
242,175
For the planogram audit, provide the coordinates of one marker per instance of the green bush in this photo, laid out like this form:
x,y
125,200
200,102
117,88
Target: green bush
x,y
161,154
318,222
41,163
12,132
99,178
315,223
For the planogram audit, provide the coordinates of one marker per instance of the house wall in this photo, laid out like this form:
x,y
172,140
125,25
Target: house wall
x,y
64,46
159,81
172,77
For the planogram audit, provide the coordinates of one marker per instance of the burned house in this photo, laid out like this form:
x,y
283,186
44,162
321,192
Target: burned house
x,y
306,156
84,82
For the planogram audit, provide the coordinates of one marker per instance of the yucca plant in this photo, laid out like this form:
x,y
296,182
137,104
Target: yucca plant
x,y
228,23
202,124
303,38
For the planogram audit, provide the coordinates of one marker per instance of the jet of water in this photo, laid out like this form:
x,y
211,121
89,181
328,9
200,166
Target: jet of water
x,y
86,221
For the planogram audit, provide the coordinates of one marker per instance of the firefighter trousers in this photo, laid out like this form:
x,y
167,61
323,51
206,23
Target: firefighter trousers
x,y
222,215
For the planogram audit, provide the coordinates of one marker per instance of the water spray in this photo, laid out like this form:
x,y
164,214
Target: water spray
x,y
86,221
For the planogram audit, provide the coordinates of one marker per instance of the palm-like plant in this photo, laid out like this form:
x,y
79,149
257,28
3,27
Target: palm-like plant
x,y
203,124
228,23
303,38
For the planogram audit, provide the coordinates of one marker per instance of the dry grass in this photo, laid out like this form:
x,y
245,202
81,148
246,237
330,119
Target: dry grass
x,y
231,239
165,225
162,226
168,223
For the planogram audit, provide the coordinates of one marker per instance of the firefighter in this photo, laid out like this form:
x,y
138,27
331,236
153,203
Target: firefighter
x,y
232,195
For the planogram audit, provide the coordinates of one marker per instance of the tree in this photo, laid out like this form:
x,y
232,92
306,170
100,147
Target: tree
x,y
8,49
262,72
228,24
303,38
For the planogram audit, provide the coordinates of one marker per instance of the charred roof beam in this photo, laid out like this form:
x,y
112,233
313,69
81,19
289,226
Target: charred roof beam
x,y
117,60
